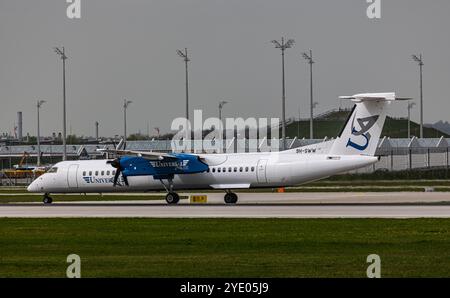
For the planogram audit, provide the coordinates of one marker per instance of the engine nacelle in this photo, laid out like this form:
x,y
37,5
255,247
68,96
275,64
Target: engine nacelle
x,y
164,168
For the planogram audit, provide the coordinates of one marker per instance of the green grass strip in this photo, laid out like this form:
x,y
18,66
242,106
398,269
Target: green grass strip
x,y
224,247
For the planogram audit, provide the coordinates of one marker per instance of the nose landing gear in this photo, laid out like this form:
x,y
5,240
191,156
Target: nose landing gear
x,y
47,199
171,197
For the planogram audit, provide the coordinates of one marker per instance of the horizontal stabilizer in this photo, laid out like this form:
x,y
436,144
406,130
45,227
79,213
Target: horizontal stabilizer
x,y
389,96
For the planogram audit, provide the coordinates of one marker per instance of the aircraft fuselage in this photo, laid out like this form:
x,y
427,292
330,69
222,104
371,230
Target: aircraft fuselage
x,y
225,171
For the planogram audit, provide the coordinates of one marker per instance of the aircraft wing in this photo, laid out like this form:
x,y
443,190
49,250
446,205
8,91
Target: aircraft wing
x,y
210,160
144,154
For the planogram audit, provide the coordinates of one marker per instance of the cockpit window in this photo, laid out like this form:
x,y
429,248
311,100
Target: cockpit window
x,y
53,170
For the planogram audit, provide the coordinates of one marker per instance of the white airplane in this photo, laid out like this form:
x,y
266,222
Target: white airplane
x,y
150,171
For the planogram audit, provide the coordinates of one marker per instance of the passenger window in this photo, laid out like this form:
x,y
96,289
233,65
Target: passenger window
x,y
103,173
235,169
113,172
214,170
224,170
229,169
240,169
253,169
107,173
96,173
84,173
218,170
246,169
90,173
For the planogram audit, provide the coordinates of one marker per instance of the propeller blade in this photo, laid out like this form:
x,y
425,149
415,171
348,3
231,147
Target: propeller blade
x,y
116,164
116,177
125,179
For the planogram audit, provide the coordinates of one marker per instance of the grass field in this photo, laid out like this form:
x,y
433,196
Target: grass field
x,y
224,247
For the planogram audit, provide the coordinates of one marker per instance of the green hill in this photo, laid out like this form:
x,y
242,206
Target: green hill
x,y
330,124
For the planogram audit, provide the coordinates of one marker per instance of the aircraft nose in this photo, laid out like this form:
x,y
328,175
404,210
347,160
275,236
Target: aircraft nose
x,y
33,187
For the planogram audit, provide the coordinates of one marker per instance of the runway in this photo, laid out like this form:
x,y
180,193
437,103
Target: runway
x,y
254,205
221,211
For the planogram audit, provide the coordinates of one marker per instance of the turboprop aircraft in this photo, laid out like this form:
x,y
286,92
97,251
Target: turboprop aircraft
x,y
151,171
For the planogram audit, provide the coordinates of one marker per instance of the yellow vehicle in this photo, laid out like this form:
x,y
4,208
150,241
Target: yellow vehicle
x,y
19,171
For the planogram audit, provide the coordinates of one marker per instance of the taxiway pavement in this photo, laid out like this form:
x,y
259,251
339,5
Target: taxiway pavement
x,y
254,205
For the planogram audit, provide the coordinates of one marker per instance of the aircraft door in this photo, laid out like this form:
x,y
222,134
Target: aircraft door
x,y
261,171
72,176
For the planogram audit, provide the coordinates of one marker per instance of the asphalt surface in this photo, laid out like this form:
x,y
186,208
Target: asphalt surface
x,y
220,211
254,205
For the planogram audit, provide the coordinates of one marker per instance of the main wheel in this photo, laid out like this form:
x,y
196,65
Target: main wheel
x,y
47,200
230,198
172,198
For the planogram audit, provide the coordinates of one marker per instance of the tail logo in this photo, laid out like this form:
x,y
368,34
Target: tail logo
x,y
365,124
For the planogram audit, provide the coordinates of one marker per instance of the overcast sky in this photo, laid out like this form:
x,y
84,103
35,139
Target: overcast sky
x,y
127,49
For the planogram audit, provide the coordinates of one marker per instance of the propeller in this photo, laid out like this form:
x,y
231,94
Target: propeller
x,y
116,164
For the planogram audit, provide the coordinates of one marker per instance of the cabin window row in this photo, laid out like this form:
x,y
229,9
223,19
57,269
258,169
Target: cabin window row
x,y
213,170
230,169
97,173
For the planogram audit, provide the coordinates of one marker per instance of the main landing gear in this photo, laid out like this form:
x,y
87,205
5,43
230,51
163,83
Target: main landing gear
x,y
171,197
230,197
47,199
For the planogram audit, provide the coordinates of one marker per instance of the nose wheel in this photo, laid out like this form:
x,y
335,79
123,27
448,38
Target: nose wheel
x,y
47,199
171,197
230,198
